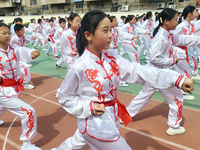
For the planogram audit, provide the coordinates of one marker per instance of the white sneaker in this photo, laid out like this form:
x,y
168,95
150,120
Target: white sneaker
x,y
122,122
187,96
57,94
44,49
54,149
1,122
28,86
197,77
175,131
30,147
122,83
30,65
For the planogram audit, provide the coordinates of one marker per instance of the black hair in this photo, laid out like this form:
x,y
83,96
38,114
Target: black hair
x,y
111,18
140,17
198,17
123,17
129,17
51,20
62,20
148,14
71,17
186,11
18,27
156,13
42,16
166,14
31,20
4,25
39,20
89,23
156,19
19,19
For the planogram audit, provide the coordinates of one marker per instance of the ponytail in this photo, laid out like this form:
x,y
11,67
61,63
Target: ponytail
x,y
166,14
186,11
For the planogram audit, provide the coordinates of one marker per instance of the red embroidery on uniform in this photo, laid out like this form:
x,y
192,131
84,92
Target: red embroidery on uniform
x,y
187,74
71,43
114,67
195,63
91,74
30,123
110,57
184,31
1,58
136,57
180,109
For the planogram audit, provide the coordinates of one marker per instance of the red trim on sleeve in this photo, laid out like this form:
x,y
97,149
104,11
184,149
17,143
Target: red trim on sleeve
x,y
178,81
91,108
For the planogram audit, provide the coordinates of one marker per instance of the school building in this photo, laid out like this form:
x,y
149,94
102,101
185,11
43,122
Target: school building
x,y
44,7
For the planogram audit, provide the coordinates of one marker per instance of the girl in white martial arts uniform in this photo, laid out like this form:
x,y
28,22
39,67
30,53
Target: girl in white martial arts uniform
x,y
89,90
10,86
130,45
116,33
68,41
57,38
40,35
20,39
145,40
188,67
161,56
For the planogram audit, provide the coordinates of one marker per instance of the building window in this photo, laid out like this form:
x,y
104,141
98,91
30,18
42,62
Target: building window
x,y
61,6
184,0
33,2
79,5
45,7
99,4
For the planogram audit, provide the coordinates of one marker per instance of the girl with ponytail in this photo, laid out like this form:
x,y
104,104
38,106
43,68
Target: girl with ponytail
x,y
163,56
89,90
188,67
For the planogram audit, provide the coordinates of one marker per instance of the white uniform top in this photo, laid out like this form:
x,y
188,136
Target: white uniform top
x,y
39,29
139,24
132,29
58,34
50,31
161,51
9,66
148,25
68,42
20,41
31,26
116,33
120,23
93,79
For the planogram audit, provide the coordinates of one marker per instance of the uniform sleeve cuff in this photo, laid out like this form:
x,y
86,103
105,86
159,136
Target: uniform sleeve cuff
x,y
179,81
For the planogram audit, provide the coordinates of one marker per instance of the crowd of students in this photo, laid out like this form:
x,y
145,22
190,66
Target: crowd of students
x,y
96,69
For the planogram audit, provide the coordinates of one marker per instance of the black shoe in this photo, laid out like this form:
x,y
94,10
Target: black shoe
x,y
59,67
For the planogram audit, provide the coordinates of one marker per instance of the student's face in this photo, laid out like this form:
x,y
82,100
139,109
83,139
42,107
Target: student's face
x,y
173,23
133,21
102,37
63,24
124,20
192,15
20,32
196,14
114,22
51,23
76,23
140,19
34,21
5,35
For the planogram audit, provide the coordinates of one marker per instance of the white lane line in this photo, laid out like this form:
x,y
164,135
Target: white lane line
x,y
156,138
6,137
10,142
159,101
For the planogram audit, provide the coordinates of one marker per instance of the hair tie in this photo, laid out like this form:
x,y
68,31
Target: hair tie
x,y
161,20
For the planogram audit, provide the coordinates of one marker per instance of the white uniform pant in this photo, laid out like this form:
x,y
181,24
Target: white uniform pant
x,y
130,50
172,95
69,60
22,110
183,68
79,140
41,38
25,70
193,61
61,60
144,45
52,46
